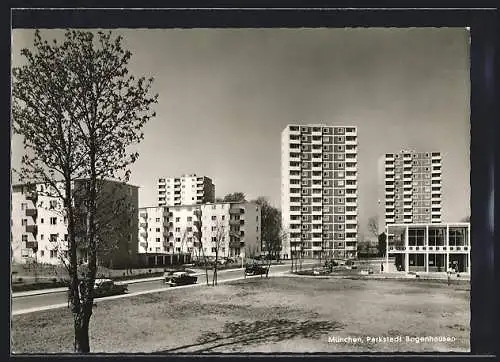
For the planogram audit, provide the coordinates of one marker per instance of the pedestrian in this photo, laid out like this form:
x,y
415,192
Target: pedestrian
x,y
382,267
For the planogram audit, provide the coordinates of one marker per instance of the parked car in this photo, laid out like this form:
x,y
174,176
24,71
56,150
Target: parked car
x,y
351,265
180,278
255,269
107,287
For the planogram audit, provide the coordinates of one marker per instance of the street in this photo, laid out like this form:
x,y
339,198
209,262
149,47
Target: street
x,y
25,303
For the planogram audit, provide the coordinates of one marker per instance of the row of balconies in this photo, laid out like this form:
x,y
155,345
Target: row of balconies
x,y
428,248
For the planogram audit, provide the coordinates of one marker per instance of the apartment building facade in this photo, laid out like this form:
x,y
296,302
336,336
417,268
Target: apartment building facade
x,y
185,190
319,201
428,247
39,226
230,228
411,187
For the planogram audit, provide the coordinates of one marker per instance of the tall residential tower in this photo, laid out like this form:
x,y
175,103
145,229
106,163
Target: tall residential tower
x,y
319,190
185,190
412,187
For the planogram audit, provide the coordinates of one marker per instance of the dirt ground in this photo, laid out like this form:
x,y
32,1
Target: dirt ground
x,y
274,315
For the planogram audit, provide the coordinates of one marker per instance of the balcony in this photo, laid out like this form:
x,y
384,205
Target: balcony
x,y
31,229
32,244
351,141
31,212
143,233
143,224
235,211
234,222
235,243
32,196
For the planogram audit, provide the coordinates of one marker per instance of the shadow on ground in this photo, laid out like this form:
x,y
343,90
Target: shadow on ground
x,y
251,333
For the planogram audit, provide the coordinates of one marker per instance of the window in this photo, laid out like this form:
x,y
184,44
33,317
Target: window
x,y
214,239
214,217
24,206
65,237
157,219
178,229
53,238
189,218
42,253
53,221
223,217
41,236
177,240
25,237
157,230
52,204
53,254
157,240
177,219
24,222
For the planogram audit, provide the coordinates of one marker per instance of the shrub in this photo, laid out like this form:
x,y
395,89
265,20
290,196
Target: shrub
x,y
14,272
20,280
54,280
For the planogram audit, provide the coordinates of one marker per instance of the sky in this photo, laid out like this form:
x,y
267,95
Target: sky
x,y
225,95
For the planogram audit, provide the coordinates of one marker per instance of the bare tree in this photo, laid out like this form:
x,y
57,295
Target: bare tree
x,y
199,235
271,229
218,242
373,226
235,197
79,113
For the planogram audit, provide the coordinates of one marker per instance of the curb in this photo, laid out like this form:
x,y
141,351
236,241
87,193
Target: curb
x,y
30,293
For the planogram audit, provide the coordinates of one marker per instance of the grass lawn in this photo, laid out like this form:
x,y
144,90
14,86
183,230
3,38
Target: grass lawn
x,y
279,314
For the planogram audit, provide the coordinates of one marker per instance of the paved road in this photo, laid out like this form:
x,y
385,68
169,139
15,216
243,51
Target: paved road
x,y
44,300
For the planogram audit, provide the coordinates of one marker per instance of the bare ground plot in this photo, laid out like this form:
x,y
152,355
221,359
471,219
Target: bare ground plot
x,y
264,315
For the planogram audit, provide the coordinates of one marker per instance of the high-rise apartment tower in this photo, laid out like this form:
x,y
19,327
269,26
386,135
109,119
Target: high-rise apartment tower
x,y
412,187
185,190
319,191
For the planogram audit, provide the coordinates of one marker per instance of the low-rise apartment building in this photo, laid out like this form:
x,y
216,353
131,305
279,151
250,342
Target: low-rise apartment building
x,y
39,226
230,228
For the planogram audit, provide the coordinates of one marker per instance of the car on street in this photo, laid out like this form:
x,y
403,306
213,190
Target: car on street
x,y
107,287
255,269
176,278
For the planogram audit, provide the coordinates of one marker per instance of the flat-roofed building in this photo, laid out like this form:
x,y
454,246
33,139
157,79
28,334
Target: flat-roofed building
x,y
319,185
185,190
170,233
428,247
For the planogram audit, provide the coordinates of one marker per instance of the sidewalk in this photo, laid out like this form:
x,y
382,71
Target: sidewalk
x,y
131,281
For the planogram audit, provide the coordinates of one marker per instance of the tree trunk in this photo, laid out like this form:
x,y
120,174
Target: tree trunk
x,y
214,277
268,263
81,325
205,262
